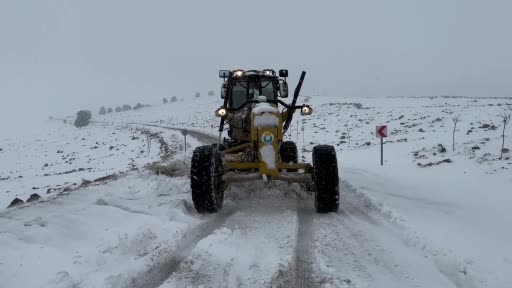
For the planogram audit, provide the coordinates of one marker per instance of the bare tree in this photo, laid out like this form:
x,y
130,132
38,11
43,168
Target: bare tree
x,y
505,118
455,121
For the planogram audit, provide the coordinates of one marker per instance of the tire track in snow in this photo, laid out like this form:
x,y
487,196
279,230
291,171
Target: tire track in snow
x,y
303,272
159,272
302,266
162,269
204,137
362,246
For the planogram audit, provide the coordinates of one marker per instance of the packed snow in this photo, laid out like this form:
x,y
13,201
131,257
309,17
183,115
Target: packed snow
x,y
264,107
266,120
435,215
268,156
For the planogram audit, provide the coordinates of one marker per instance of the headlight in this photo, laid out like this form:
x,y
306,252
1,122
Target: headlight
x,y
221,112
306,110
238,73
269,72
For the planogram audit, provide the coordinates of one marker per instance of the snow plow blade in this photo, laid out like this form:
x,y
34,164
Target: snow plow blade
x,y
232,177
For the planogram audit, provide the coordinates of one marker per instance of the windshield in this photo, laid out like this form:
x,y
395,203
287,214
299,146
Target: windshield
x,y
244,91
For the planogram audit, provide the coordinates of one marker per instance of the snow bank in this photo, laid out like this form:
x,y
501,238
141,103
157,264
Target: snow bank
x,y
95,236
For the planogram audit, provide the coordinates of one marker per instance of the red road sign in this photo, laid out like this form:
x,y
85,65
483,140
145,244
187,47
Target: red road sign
x,y
382,131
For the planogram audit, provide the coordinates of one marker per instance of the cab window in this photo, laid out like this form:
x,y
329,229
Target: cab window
x,y
239,95
267,89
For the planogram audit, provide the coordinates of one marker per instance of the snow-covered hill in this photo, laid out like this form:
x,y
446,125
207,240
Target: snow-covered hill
x,y
418,221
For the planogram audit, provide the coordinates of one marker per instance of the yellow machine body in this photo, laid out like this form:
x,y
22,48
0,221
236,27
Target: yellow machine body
x,y
266,135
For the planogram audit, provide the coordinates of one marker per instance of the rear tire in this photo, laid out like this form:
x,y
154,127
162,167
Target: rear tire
x,y
206,179
326,179
288,153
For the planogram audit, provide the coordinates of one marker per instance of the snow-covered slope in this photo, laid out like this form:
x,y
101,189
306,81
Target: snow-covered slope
x,y
418,221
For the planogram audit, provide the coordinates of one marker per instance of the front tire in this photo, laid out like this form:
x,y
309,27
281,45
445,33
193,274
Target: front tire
x,y
289,154
326,179
206,179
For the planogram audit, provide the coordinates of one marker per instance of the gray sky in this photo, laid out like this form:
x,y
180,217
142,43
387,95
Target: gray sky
x,y
60,56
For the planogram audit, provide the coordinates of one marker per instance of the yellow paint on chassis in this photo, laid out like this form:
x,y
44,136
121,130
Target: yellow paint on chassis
x,y
277,135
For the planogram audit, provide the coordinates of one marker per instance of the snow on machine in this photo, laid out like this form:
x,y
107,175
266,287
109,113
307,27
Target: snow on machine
x,y
255,149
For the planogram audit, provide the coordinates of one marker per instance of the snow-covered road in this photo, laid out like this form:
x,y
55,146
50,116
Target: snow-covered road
x,y
267,235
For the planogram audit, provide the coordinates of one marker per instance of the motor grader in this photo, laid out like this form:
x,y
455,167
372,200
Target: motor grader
x,y
255,149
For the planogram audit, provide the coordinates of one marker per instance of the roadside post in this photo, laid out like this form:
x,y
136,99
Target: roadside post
x,y
303,137
185,133
381,132
297,130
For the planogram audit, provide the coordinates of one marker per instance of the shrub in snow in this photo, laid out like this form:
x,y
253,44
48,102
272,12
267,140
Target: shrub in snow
x,y
83,118
165,100
138,106
110,110
126,107
174,99
211,93
118,109
198,95
103,111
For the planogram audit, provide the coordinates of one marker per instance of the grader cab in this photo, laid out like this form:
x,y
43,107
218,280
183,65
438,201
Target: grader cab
x,y
255,149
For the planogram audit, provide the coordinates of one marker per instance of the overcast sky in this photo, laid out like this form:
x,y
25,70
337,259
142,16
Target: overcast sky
x,y
60,56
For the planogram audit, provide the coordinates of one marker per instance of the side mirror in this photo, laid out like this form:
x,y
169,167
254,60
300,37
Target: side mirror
x,y
283,88
224,74
223,88
283,73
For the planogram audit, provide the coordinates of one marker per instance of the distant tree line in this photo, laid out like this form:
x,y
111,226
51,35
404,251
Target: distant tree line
x,y
122,108
175,99
83,117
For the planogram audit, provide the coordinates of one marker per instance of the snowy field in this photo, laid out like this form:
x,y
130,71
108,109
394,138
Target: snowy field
x,y
432,216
